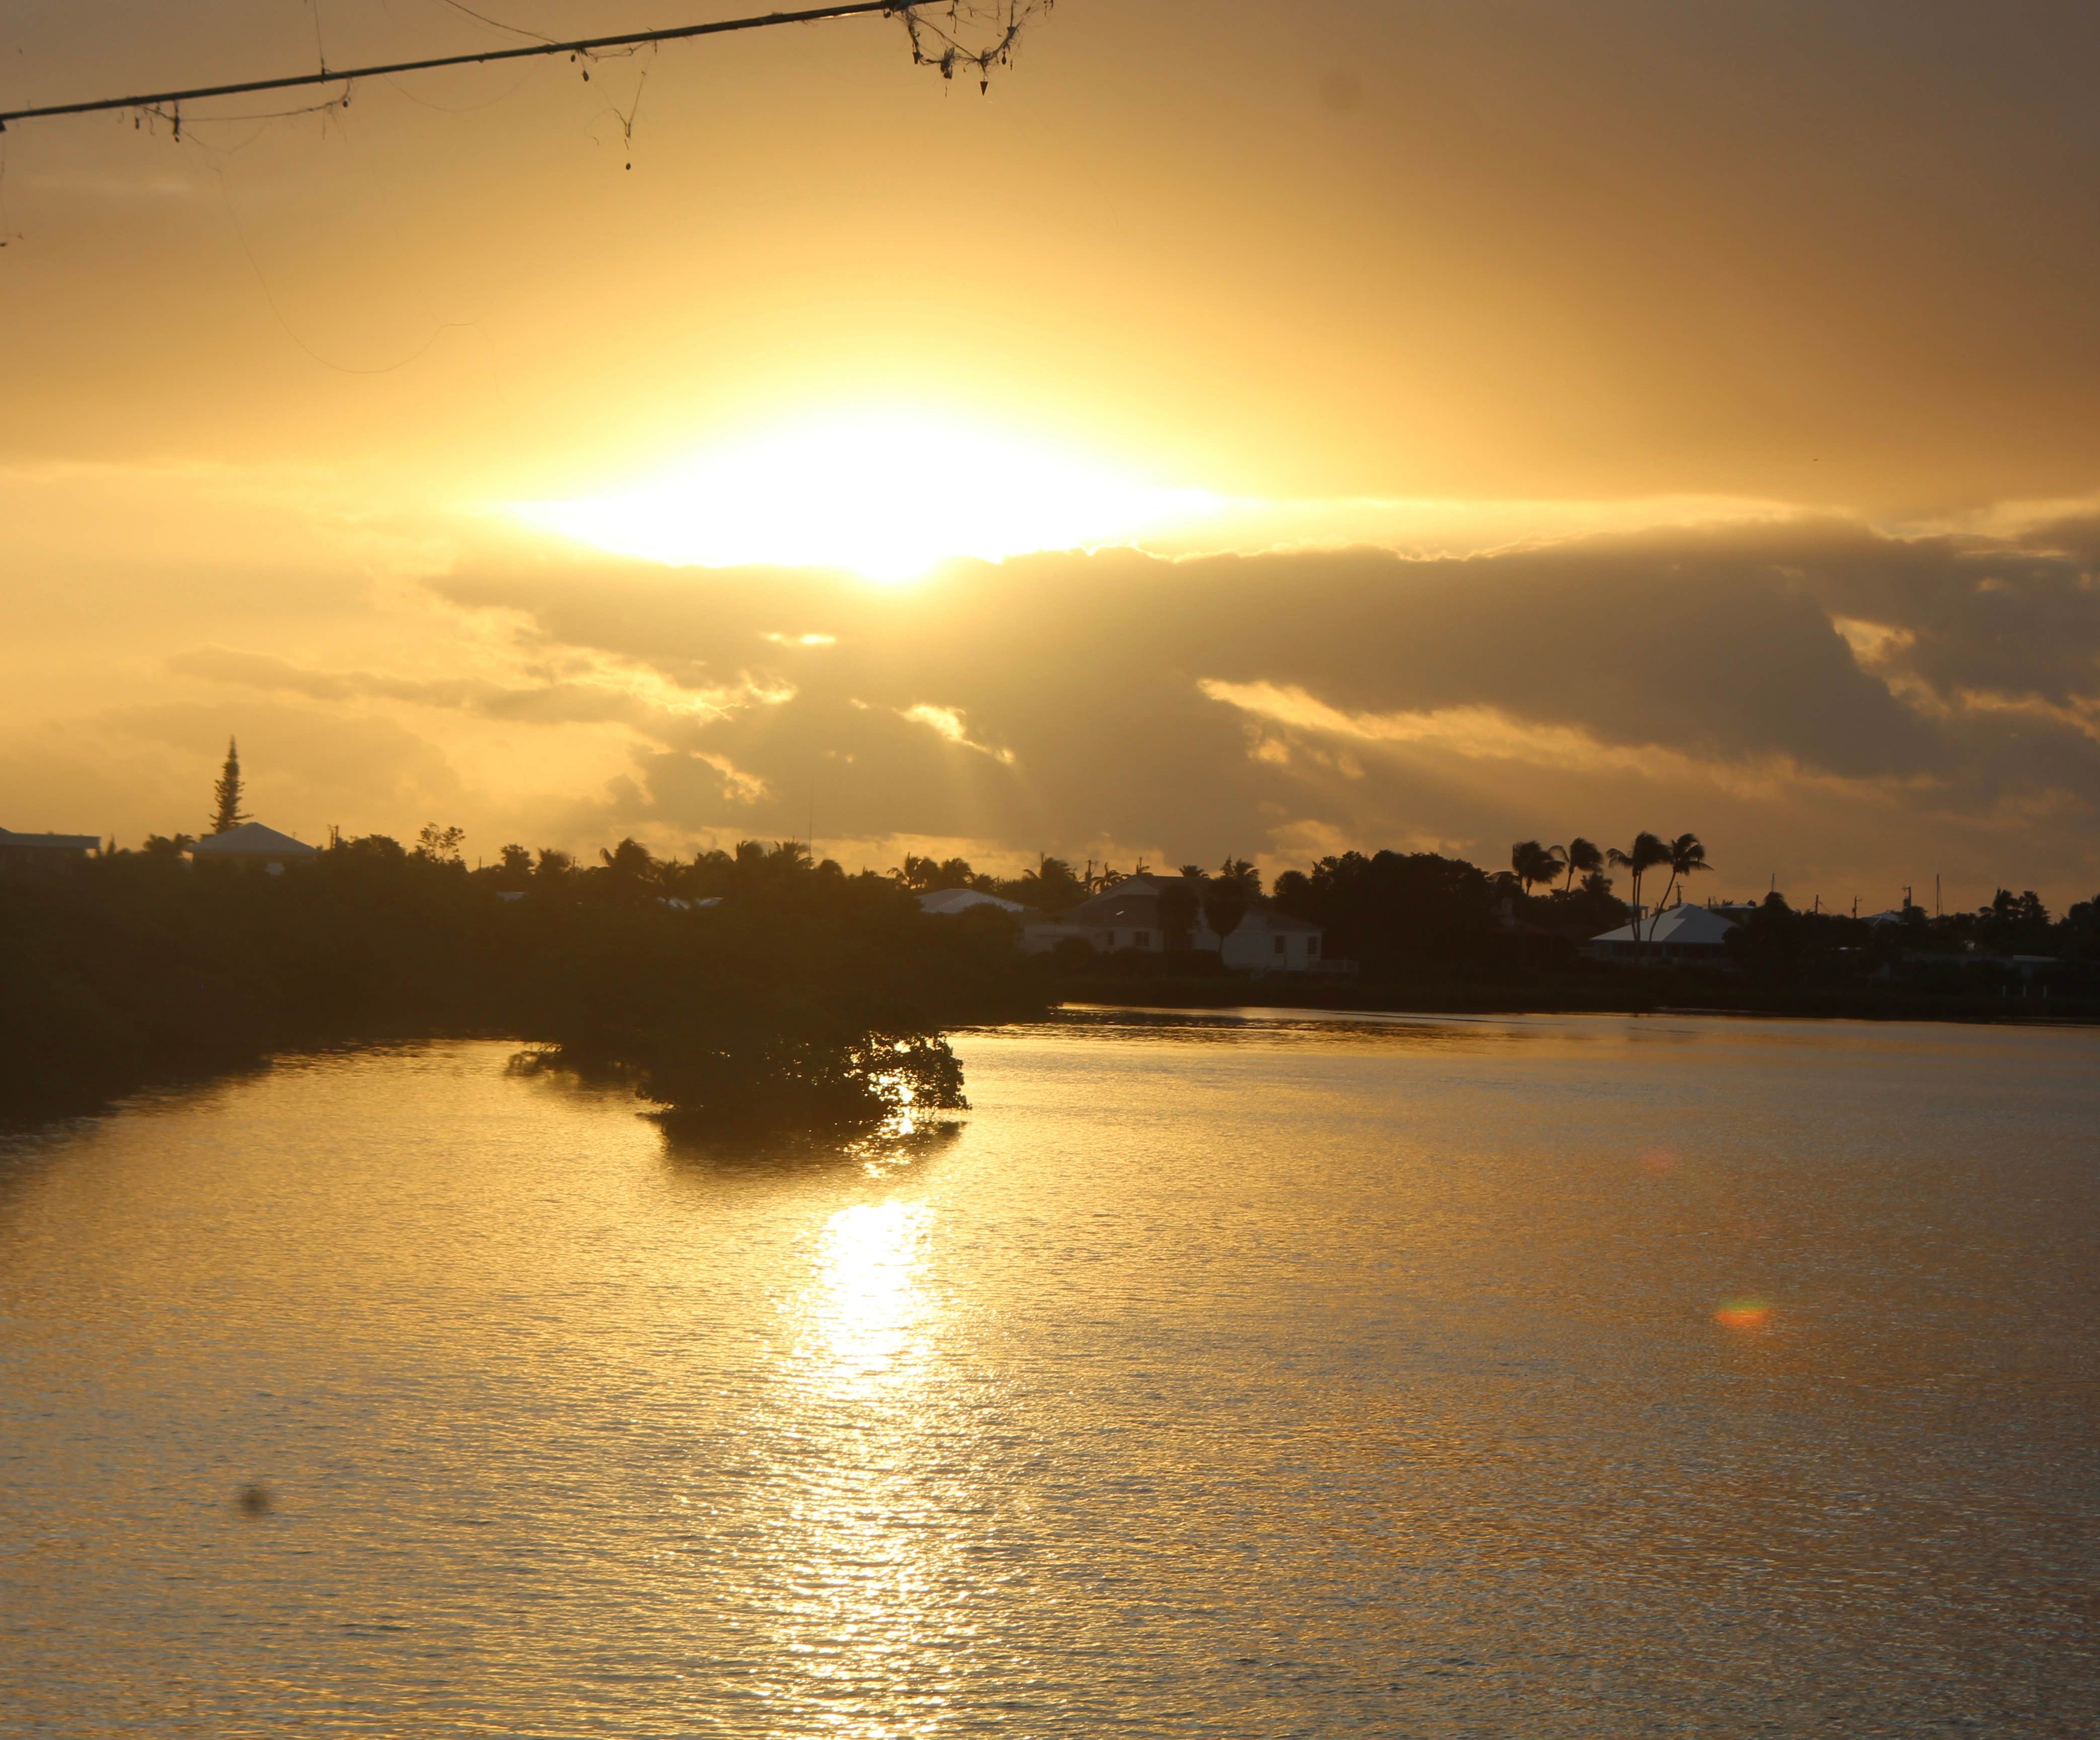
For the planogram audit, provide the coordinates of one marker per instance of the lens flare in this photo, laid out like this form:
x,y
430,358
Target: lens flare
x,y
1743,1313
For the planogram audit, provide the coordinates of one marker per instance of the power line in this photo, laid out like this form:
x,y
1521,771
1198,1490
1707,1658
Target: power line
x,y
344,76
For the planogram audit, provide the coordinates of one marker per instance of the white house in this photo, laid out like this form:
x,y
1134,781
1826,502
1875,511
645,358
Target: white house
x,y
945,901
1687,934
1128,916
1267,941
251,843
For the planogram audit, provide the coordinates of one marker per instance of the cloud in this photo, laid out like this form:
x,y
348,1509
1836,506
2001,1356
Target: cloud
x,y
1842,697
946,722
1839,705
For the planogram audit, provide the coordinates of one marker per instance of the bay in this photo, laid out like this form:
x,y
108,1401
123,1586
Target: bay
x,y
1259,1373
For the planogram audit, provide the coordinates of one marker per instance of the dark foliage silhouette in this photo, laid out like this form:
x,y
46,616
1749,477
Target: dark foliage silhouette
x,y
226,795
141,964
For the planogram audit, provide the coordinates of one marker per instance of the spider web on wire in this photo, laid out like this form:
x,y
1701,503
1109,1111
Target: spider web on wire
x,y
970,35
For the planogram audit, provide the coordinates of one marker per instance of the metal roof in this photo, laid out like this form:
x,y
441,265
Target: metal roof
x,y
1696,926
252,840
946,900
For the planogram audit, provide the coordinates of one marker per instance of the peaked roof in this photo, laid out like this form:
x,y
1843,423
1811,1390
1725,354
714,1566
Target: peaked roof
x,y
946,900
252,840
1695,925
1116,902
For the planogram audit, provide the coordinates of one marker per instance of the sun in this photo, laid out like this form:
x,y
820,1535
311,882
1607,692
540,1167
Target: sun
x,y
886,494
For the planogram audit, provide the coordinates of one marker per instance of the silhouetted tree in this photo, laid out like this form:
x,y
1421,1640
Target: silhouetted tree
x,y
1181,904
924,876
227,813
791,996
2081,938
441,845
1582,857
629,861
1687,858
1396,912
1646,854
1227,895
2015,924
1532,864
1051,884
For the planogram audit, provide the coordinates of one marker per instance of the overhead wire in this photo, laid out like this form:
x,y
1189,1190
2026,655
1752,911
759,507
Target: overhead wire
x,y
581,47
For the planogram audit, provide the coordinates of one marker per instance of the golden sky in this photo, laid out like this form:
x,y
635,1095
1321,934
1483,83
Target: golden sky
x,y
1541,419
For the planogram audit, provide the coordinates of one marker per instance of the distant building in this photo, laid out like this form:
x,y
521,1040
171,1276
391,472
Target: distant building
x,y
1128,916
251,843
35,852
1685,934
945,901
1268,941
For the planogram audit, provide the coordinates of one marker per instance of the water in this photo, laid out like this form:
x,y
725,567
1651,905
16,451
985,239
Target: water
x,y
1233,1376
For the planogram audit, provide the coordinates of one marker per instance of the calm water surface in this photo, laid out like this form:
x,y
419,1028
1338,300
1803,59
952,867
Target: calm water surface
x,y
1236,1376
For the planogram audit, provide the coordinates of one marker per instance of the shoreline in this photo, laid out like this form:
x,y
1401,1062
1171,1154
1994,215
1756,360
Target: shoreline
x,y
1459,1000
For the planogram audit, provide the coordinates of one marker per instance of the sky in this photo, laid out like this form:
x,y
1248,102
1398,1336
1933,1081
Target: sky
x,y
1246,428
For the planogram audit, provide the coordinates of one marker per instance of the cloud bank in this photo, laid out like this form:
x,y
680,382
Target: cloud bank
x,y
1823,703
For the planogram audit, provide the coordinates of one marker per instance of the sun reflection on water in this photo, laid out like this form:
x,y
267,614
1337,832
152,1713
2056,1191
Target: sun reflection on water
x,y
865,1312
862,1630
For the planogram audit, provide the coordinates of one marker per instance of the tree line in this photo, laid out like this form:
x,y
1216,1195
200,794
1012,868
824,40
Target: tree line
x,y
766,985
757,980
1404,915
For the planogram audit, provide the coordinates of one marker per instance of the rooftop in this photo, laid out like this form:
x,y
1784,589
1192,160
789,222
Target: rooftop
x,y
1696,926
51,842
946,900
252,840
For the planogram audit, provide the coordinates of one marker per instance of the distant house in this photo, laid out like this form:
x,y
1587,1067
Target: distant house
x,y
945,901
1268,941
1685,934
251,843
1129,916
34,852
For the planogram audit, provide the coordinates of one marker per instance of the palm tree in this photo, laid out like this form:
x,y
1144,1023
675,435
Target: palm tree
x,y
1581,858
1646,853
1687,856
1227,896
1533,863
1181,907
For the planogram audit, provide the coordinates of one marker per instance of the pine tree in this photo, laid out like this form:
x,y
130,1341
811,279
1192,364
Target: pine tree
x,y
226,792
